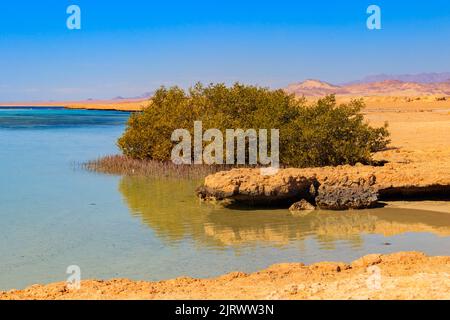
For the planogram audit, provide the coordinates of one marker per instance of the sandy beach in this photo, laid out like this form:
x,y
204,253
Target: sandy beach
x,y
406,275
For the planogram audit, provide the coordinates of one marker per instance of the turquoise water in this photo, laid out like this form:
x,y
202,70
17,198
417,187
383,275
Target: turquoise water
x,y
53,214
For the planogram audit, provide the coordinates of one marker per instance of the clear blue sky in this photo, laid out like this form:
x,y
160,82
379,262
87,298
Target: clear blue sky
x,y
130,47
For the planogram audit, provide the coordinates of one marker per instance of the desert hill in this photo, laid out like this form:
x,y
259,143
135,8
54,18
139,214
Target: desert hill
x,y
426,77
317,88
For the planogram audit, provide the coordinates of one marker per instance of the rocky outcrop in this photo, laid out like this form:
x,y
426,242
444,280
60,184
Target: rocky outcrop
x,y
411,175
348,194
338,191
302,205
243,185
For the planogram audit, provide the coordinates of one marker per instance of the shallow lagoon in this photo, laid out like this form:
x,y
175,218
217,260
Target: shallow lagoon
x,y
54,214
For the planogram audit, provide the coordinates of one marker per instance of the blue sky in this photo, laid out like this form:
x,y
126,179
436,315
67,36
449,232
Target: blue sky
x,y
129,47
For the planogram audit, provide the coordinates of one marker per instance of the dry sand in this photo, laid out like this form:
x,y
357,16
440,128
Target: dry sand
x,y
407,275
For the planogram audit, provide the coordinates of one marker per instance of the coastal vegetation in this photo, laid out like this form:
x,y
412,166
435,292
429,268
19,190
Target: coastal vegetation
x,y
311,134
124,165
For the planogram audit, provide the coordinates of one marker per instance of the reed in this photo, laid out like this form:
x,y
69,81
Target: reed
x,y
123,165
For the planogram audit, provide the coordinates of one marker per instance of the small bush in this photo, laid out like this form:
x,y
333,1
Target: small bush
x,y
310,135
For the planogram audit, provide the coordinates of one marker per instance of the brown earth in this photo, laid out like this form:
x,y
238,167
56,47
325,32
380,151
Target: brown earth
x,y
406,275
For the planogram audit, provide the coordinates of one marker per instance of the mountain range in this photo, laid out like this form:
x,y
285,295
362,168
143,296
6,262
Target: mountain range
x,y
421,84
419,78
317,88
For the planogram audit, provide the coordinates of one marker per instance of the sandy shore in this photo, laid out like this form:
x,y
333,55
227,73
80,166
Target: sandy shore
x,y
406,275
374,104
434,206
118,105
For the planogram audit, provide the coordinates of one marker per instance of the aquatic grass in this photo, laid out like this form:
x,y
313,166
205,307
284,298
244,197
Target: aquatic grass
x,y
123,165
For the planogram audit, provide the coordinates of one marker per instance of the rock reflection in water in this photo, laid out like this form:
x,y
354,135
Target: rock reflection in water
x,y
171,210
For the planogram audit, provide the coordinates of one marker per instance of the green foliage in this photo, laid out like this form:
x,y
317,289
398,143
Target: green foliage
x,y
310,135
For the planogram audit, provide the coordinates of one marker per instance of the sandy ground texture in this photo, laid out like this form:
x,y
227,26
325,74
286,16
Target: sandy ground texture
x,y
405,275
426,205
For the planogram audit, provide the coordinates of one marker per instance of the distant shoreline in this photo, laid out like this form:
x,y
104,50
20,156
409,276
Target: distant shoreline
x,y
373,104
69,107
31,107
129,105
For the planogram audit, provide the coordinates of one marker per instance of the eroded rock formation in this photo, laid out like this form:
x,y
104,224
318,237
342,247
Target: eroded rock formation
x,y
347,194
333,192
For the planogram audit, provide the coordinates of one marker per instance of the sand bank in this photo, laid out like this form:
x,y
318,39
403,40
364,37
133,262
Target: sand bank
x,y
118,105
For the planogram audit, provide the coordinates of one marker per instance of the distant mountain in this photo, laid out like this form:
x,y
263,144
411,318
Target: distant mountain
x,y
145,95
316,88
418,78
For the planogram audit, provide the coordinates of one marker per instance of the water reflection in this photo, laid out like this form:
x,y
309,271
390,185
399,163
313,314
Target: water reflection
x,y
169,208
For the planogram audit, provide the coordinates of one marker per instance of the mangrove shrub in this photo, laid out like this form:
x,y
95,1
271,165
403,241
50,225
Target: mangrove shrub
x,y
317,134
